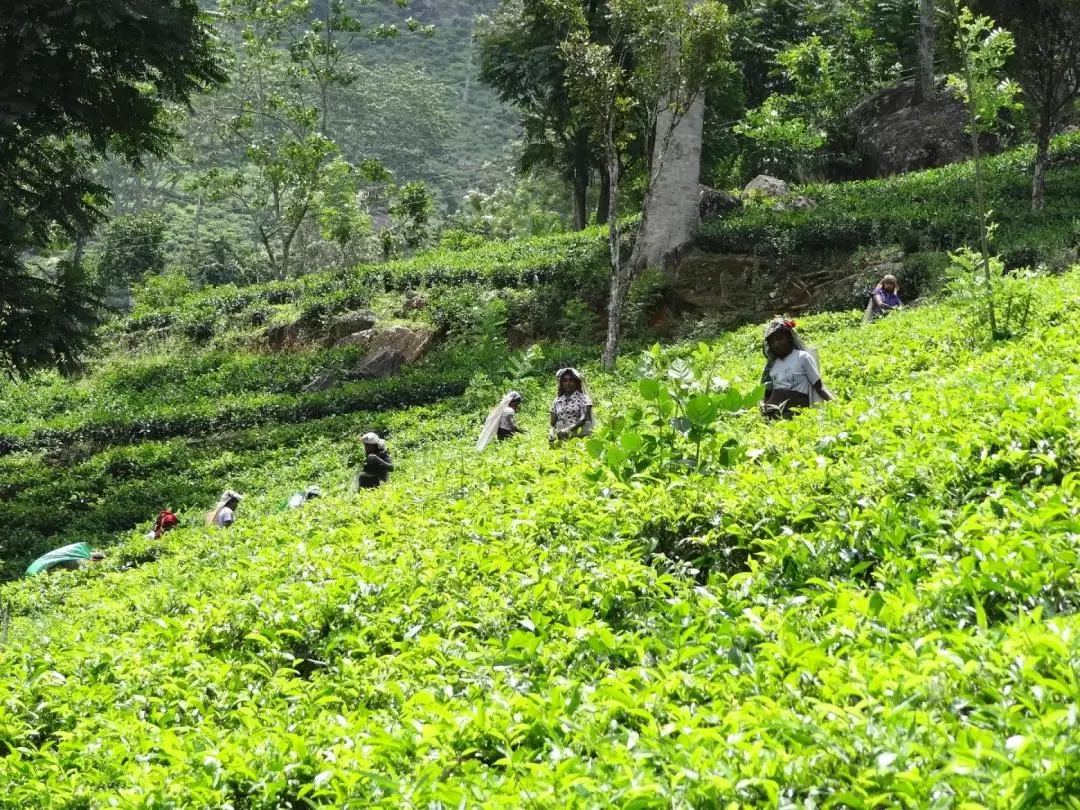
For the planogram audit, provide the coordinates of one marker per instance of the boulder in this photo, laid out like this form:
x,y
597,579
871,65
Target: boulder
x,y
282,337
379,364
348,324
796,203
713,204
895,136
766,186
412,343
323,382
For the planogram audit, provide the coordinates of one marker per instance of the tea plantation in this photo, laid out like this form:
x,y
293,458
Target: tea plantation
x,y
871,606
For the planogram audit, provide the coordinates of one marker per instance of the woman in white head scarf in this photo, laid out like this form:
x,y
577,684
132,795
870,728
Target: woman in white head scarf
x,y
501,421
791,377
377,464
571,412
224,514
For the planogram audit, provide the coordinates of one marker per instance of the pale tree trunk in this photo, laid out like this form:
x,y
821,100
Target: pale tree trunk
x,y
924,81
1042,157
620,270
673,190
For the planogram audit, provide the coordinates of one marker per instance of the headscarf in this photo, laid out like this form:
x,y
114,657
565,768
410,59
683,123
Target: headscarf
x,y
781,324
573,372
491,425
373,439
166,520
312,492
223,501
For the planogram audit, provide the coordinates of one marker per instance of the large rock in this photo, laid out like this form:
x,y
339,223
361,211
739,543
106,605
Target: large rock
x,y
767,186
283,337
412,343
324,382
379,364
895,136
716,282
348,324
713,204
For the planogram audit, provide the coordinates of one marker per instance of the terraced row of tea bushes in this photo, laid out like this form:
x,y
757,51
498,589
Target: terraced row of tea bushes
x,y
493,632
564,262
922,211
82,493
206,416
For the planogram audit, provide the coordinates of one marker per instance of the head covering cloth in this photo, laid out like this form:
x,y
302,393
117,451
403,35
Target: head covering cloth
x,y
573,372
783,324
372,438
70,553
491,424
223,501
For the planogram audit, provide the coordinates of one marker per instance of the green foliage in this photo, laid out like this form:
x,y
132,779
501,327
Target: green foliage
x,y
874,605
133,248
678,429
921,211
85,82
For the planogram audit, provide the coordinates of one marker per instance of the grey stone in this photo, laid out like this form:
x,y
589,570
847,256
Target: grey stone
x,y
380,364
349,324
767,186
714,204
323,382
895,136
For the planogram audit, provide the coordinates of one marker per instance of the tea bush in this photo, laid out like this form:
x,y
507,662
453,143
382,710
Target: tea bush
x,y
872,605
921,211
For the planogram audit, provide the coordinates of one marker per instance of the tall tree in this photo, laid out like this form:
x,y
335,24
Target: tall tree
x,y
521,59
673,192
676,51
1047,66
924,77
79,81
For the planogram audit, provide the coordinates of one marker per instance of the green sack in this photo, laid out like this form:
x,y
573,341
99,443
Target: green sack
x,y
76,551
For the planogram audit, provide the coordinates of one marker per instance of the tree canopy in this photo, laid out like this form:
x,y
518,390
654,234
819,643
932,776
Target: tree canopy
x,y
79,81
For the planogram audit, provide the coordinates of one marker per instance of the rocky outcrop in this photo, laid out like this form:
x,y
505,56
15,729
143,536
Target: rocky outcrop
x,y
710,281
765,185
380,364
895,136
348,324
714,204
283,338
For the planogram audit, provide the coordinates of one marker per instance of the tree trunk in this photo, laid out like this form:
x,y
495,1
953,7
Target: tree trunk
x,y
925,88
581,180
980,199
604,203
1042,155
673,187
619,288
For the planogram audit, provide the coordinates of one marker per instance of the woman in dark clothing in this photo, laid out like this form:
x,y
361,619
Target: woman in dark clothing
x,y
377,463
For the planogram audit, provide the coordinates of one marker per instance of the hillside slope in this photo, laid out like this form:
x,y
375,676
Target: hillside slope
x,y
870,606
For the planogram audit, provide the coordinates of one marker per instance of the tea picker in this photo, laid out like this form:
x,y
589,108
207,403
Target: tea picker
x,y
791,378
300,498
67,558
377,465
223,515
501,422
571,412
883,300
